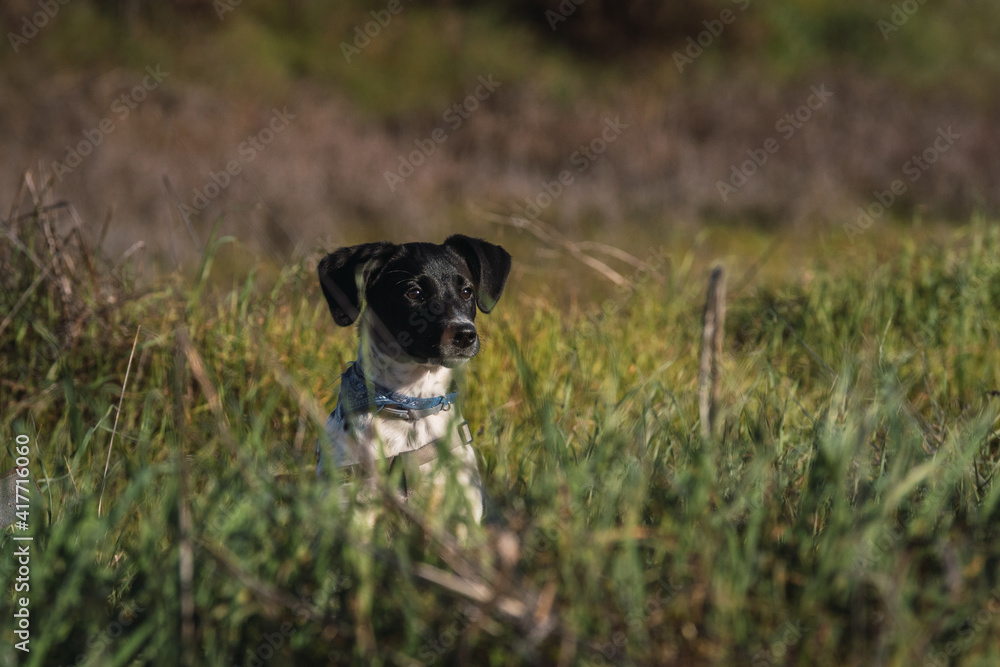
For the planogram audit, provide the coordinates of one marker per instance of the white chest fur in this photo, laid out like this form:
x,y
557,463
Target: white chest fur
x,y
366,436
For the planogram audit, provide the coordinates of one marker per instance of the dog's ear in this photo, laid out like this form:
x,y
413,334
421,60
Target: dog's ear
x,y
490,265
341,272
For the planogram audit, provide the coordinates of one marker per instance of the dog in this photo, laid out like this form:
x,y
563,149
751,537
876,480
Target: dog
x,y
416,306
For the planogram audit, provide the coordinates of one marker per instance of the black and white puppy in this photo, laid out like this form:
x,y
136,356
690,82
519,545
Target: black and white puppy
x,y
417,304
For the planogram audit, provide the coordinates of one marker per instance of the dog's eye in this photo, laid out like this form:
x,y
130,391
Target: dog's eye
x,y
415,293
467,293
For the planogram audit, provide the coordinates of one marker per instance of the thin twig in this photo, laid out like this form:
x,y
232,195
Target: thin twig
x,y
804,344
118,414
553,237
134,248
69,468
478,592
185,558
758,264
24,216
271,594
56,252
618,253
312,409
200,373
18,198
185,549
27,293
184,217
714,324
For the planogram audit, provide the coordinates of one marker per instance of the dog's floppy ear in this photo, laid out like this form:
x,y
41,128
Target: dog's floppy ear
x,y
342,270
489,264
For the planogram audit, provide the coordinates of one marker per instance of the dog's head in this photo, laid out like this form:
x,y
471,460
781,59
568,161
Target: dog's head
x,y
421,298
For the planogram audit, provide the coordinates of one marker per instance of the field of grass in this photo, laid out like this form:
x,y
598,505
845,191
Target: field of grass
x,y
846,513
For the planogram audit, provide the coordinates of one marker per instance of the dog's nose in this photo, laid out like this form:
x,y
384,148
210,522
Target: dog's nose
x,y
465,336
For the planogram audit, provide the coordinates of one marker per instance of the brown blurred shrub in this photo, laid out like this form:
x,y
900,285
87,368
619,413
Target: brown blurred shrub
x,y
607,27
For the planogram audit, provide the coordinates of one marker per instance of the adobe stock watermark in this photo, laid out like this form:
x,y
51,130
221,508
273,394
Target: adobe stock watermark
x,y
246,153
713,30
120,110
99,642
912,169
982,620
584,156
223,7
612,652
786,126
901,13
776,652
31,25
22,554
435,649
268,647
874,549
364,34
455,116
538,540
565,9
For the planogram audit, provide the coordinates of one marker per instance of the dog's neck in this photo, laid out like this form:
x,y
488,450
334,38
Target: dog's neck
x,y
403,377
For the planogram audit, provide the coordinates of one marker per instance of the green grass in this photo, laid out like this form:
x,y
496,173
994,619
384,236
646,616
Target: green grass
x,y
846,513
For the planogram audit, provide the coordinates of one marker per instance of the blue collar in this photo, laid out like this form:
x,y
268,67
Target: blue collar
x,y
358,394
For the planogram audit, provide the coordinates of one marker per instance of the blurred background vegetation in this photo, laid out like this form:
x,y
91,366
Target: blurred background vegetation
x,y
563,67
846,515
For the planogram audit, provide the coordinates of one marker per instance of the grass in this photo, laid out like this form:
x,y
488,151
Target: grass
x,y
847,512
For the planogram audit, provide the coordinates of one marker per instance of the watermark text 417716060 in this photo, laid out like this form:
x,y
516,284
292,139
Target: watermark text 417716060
x,y
15,489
